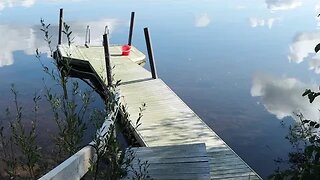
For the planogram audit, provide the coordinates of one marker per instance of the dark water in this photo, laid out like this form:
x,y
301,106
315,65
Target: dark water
x,y
240,65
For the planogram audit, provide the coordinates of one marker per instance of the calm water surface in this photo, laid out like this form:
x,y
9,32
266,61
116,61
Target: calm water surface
x,y
240,65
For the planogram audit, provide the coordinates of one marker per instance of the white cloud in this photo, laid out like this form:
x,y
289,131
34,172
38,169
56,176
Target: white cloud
x,y
2,5
27,3
22,38
314,63
24,3
303,46
302,49
12,3
255,22
317,7
239,7
13,38
317,12
283,96
202,20
277,5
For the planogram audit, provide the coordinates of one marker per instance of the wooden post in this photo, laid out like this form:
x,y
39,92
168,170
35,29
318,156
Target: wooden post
x,y
131,28
87,41
107,56
150,54
60,26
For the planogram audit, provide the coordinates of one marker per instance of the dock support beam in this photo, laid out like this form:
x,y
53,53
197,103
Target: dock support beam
x,y
150,54
107,56
60,26
131,28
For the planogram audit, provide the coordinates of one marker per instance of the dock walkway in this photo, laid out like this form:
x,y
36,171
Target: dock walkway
x,y
167,120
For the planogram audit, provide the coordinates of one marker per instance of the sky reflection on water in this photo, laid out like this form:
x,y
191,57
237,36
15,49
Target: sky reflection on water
x,y
241,65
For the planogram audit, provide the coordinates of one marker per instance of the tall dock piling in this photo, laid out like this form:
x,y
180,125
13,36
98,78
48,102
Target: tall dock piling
x,y
131,28
107,56
150,53
60,26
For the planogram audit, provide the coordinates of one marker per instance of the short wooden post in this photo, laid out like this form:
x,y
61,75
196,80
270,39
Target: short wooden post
x,y
150,54
87,41
131,28
60,26
107,56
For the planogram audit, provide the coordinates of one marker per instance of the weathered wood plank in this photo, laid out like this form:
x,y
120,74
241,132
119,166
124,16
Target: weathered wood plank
x,y
228,165
223,162
240,175
173,151
244,177
155,159
178,176
231,172
181,168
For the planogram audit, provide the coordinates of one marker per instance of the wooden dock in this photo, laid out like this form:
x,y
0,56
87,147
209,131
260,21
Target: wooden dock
x,y
167,120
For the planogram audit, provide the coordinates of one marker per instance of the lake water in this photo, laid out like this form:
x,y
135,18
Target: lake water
x,y
240,65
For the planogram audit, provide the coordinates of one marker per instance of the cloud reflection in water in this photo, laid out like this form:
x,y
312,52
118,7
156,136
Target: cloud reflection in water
x,y
255,22
282,96
303,45
202,20
12,3
277,5
302,49
24,3
14,38
28,39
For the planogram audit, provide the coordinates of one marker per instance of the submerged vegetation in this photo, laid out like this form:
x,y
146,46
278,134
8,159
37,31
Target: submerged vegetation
x,y
22,158
28,155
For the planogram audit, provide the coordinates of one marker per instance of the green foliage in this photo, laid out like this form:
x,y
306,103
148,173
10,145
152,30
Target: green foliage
x,y
113,162
317,48
67,32
127,126
304,161
7,151
142,172
69,110
69,116
26,141
47,37
19,150
311,95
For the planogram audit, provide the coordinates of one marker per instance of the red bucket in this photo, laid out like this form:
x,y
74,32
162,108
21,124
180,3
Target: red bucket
x,y
126,50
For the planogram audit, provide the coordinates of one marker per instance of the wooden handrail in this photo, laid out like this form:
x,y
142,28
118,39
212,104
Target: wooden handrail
x,y
76,166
